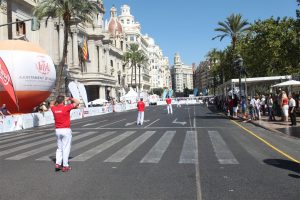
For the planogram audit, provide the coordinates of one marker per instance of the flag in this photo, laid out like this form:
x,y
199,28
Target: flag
x,y
85,49
6,82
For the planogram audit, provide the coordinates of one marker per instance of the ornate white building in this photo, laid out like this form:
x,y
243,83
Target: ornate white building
x,y
182,75
103,74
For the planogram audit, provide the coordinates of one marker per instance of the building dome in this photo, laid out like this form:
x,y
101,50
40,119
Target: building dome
x,y
114,26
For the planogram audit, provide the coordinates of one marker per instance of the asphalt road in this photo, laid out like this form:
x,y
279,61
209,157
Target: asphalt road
x,y
193,154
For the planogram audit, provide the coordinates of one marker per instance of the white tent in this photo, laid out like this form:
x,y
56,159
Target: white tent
x,y
131,95
97,102
287,83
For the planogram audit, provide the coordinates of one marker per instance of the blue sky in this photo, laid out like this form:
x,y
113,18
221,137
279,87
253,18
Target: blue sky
x,y
187,27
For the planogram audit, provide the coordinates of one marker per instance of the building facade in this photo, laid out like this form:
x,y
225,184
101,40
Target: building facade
x,y
182,75
100,66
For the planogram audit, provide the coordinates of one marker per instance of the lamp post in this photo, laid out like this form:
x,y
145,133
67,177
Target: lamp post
x,y
238,63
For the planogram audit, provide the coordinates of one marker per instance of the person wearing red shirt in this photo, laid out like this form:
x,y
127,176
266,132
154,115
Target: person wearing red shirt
x,y
169,105
63,131
141,109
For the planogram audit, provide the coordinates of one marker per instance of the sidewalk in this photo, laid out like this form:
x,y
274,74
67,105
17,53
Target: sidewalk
x,y
279,126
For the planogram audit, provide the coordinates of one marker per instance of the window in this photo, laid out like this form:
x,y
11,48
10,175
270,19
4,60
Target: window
x,y
20,28
122,45
132,38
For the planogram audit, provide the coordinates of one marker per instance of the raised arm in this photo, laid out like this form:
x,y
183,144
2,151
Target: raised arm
x,y
74,101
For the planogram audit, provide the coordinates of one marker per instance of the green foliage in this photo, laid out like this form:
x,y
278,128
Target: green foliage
x,y
136,58
187,92
233,27
69,12
271,48
158,91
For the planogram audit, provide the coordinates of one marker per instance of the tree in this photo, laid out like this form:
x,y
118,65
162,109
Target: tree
x,y
271,48
135,57
158,91
141,60
233,27
68,11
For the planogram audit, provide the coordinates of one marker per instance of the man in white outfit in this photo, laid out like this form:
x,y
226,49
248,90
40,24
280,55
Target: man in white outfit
x,y
141,110
169,105
63,131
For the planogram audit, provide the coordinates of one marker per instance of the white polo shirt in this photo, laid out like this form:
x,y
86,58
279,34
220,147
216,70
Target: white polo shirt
x,y
292,103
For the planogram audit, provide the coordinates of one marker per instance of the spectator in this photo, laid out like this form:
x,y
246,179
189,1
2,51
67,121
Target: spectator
x,y
4,111
292,109
270,105
284,106
235,106
43,107
244,107
252,108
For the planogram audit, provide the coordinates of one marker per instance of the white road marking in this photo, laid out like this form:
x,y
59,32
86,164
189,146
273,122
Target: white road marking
x,y
111,123
93,123
197,167
25,141
98,149
151,123
189,151
157,151
8,151
130,123
80,144
17,137
176,122
44,148
128,149
222,152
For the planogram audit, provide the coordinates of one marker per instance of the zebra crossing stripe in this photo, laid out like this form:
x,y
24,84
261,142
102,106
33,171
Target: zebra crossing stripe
x,y
189,153
129,148
15,134
8,151
80,144
222,152
44,148
157,151
98,149
24,141
17,137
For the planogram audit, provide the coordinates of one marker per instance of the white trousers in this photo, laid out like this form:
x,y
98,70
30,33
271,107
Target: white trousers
x,y
64,138
169,108
140,118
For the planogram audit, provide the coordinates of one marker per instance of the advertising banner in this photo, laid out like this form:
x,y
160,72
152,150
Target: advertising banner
x,y
6,82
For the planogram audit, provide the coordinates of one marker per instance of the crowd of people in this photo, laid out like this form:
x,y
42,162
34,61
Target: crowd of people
x,y
276,106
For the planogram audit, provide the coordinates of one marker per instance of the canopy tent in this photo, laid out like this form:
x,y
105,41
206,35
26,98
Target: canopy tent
x,y
287,83
97,102
131,95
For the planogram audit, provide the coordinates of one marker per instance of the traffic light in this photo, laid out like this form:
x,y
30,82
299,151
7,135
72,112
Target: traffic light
x,y
35,24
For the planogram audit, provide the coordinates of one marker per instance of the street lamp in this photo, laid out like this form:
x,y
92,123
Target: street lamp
x,y
238,63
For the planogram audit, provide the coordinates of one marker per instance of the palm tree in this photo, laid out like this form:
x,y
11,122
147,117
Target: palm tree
x,y
140,61
233,27
134,57
67,11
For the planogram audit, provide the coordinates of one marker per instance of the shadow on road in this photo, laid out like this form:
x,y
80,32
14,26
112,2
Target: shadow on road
x,y
209,117
285,164
292,131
